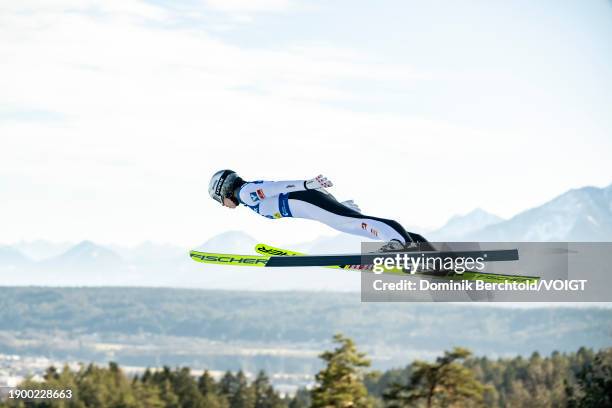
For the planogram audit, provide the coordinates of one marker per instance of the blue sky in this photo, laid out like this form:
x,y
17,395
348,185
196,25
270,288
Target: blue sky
x,y
113,114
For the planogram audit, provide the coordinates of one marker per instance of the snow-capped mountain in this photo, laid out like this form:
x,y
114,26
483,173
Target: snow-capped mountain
x,y
230,241
85,254
148,252
11,257
85,264
40,249
583,214
461,225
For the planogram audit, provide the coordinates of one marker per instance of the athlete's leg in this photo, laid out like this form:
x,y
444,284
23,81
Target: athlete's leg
x,y
364,227
315,205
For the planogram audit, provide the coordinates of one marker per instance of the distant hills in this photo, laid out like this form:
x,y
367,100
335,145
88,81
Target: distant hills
x,y
85,253
229,242
583,214
460,226
579,215
41,249
12,257
156,265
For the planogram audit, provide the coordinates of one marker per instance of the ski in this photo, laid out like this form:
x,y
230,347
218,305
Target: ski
x,y
268,253
265,249
346,259
498,255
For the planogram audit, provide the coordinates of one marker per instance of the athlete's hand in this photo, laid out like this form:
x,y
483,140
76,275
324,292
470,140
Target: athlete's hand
x,y
318,182
352,205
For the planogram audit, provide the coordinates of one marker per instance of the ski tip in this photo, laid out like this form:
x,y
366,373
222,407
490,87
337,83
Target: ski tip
x,y
270,250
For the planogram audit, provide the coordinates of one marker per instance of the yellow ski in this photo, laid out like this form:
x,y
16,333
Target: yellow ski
x,y
265,249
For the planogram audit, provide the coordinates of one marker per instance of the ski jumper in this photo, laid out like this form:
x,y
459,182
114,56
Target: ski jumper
x,y
282,199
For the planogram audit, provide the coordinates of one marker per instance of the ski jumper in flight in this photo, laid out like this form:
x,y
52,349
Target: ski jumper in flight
x,y
307,199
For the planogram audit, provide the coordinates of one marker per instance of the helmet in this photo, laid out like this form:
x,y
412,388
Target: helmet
x,y
221,184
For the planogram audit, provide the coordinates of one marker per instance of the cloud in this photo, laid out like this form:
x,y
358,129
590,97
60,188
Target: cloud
x,y
119,8
250,6
79,64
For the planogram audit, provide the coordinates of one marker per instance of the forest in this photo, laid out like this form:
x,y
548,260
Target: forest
x,y
46,321
455,378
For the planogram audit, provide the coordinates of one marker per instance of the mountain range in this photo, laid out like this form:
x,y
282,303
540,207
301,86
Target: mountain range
x,y
583,214
578,215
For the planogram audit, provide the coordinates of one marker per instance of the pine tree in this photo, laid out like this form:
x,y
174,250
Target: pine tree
x,y
593,387
167,395
186,389
340,383
211,392
301,399
265,396
228,384
207,384
445,383
243,396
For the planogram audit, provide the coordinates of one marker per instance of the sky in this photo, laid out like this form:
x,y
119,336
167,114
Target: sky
x,y
114,114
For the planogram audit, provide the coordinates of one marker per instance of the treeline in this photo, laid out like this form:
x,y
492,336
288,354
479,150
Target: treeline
x,y
455,379
581,379
94,386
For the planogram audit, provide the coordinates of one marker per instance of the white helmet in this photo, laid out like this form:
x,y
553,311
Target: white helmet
x,y
221,184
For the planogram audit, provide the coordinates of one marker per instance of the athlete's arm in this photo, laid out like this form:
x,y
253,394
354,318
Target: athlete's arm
x,y
255,191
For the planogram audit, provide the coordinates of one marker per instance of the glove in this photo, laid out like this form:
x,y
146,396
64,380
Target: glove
x,y
317,183
352,205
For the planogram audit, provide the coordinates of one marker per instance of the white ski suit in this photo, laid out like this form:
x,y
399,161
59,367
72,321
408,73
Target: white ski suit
x,y
281,199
